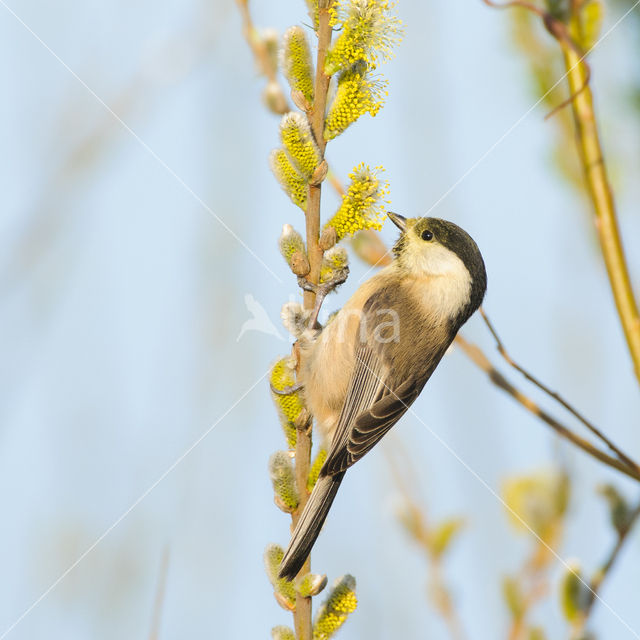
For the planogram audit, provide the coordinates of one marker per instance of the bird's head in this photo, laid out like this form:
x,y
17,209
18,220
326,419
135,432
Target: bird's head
x,y
431,247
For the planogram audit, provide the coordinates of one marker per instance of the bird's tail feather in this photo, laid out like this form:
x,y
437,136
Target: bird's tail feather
x,y
309,525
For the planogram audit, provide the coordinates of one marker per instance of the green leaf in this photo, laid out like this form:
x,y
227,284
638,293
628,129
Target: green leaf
x,y
574,595
442,536
512,593
590,17
619,509
537,633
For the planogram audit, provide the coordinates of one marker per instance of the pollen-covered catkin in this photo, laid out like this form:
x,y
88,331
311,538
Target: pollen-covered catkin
x,y
290,405
368,31
364,203
284,589
334,260
333,613
284,481
292,183
357,93
299,144
295,59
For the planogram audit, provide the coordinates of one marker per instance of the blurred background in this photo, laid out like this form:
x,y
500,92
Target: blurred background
x,y
134,157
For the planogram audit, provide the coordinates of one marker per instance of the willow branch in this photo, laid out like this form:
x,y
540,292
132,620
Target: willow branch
x,y
480,360
260,53
316,120
601,195
302,614
595,171
557,397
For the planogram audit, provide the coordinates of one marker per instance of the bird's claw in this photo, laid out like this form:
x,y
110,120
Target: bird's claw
x,y
286,391
322,290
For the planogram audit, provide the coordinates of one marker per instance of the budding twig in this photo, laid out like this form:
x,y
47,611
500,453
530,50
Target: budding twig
x,y
557,397
478,357
302,616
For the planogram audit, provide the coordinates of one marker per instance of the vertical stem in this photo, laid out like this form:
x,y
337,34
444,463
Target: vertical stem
x,y
316,120
604,207
302,615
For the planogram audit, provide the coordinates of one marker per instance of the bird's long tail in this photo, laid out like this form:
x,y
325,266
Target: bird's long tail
x,y
309,525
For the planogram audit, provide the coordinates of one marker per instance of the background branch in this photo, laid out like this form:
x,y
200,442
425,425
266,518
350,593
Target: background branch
x,y
480,359
424,533
599,577
595,172
556,396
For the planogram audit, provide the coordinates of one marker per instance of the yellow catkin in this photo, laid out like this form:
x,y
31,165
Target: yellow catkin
x,y
367,33
314,472
290,180
283,480
290,242
299,144
296,62
332,614
363,204
289,406
272,558
282,633
334,260
357,94
312,6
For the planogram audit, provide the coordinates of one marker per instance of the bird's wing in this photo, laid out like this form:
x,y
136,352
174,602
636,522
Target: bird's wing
x,y
372,406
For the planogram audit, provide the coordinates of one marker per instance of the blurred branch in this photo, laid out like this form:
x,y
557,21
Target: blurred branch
x,y
539,499
160,591
594,168
603,204
417,525
477,356
276,100
599,577
557,397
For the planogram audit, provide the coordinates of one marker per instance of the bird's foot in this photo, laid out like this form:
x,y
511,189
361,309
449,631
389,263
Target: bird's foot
x,y
322,290
286,391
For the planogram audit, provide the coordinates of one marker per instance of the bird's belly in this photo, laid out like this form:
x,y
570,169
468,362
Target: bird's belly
x,y
327,366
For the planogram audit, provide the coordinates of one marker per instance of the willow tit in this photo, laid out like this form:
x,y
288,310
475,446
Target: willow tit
x,y
369,364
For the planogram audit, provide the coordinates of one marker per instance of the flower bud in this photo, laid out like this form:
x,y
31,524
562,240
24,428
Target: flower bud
x,y
284,481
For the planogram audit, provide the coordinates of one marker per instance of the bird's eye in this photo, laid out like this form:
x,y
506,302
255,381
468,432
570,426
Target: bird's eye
x,y
426,235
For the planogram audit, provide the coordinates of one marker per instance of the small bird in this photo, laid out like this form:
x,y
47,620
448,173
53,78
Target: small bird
x,y
371,361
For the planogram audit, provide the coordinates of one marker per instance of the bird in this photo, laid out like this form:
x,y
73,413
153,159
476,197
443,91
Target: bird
x,y
363,371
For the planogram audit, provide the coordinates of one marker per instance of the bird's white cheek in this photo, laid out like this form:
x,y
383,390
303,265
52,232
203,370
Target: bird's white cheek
x,y
449,283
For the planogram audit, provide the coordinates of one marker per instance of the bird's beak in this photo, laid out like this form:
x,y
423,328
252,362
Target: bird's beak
x,y
398,220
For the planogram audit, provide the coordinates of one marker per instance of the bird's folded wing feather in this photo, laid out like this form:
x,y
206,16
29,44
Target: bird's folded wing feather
x,y
372,406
